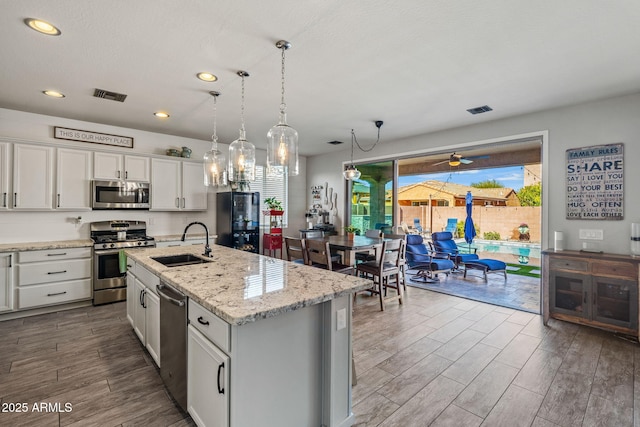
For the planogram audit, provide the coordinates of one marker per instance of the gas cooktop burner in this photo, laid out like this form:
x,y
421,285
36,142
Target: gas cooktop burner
x,y
120,234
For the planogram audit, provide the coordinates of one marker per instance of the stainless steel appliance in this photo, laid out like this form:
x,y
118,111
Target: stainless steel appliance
x,y
120,195
110,237
173,342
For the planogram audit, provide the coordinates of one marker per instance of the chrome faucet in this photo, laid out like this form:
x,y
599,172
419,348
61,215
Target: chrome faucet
x,y
207,248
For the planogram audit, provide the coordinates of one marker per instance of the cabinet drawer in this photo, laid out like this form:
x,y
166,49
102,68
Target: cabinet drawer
x,y
211,326
568,264
48,272
53,254
609,268
55,293
149,279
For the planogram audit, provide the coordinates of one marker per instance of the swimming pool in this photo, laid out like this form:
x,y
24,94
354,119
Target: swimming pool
x,y
507,251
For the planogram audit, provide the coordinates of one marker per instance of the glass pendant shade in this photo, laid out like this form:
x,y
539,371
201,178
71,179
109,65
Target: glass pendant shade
x,y
351,173
282,149
242,160
215,168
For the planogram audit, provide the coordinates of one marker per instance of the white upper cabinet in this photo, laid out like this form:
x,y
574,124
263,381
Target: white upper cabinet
x,y
73,179
112,166
177,185
194,193
32,177
5,199
165,185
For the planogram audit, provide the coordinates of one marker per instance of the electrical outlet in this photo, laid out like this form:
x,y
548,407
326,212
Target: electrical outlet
x,y
341,319
591,234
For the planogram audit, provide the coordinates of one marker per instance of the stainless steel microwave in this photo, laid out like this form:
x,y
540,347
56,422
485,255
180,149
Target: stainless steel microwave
x,y
120,195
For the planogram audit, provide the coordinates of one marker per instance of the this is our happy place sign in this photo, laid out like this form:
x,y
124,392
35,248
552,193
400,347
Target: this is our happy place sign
x,y
595,182
94,137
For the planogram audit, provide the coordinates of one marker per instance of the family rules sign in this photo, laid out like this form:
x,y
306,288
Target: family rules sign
x,y
595,182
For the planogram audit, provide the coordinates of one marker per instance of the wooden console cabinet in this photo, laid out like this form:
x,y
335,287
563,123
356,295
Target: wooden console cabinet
x,y
593,289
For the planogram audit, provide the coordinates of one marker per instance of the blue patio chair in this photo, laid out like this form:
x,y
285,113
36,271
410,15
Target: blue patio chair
x,y
443,242
417,226
428,262
452,226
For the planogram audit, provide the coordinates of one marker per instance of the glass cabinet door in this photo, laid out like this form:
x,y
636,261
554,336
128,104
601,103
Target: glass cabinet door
x,y
569,294
614,299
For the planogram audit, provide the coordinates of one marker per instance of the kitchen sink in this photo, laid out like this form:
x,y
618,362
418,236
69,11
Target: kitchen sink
x,y
180,260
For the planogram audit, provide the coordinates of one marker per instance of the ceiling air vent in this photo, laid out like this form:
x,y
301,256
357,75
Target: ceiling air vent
x,y
335,142
479,110
112,96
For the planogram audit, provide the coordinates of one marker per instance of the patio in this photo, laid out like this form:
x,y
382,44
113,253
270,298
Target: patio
x,y
518,292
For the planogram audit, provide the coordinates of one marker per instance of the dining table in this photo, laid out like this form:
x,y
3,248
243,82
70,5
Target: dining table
x,y
349,246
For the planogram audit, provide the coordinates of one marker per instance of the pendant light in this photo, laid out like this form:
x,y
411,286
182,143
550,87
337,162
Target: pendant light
x,y
242,153
351,173
215,164
282,140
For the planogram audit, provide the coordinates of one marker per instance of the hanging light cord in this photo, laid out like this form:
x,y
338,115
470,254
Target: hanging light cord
x,y
283,106
362,149
214,137
353,137
242,107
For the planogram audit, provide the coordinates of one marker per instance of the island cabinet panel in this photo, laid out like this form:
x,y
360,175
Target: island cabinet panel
x,y
593,289
143,307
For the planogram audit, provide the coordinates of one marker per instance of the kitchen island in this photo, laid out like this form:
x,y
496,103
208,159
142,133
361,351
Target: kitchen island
x,y
282,331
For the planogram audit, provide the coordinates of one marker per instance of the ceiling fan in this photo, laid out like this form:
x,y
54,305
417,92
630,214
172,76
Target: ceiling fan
x,y
457,159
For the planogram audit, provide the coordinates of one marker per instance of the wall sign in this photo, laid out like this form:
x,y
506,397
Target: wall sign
x,y
94,137
595,182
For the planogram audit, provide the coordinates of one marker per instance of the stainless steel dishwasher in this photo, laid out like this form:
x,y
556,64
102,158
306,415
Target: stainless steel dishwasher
x,y
173,342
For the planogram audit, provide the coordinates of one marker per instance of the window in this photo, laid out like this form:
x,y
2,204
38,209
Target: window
x,y
272,186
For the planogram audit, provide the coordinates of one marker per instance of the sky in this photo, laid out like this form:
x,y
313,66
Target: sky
x,y
511,177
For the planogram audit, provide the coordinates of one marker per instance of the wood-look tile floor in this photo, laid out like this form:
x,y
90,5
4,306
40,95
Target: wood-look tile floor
x,y
437,360
89,358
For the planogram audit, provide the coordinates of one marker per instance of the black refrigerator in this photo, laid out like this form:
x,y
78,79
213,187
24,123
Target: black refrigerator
x,y
238,220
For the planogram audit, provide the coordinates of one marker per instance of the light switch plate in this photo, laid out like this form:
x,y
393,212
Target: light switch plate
x,y
591,234
341,319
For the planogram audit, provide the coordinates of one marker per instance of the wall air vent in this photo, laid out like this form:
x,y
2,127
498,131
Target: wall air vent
x,y
479,110
335,142
112,96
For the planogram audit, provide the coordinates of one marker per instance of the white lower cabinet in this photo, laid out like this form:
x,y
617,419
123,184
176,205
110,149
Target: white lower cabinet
x,y
208,381
53,276
143,309
6,281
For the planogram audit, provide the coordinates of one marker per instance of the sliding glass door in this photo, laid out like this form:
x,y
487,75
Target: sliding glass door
x,y
371,197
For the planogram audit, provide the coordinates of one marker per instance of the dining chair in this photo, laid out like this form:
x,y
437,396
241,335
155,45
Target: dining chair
x,y
319,255
295,250
383,269
369,255
403,256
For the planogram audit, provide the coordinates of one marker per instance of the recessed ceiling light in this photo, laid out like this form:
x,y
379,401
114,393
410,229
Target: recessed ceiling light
x,y
207,77
42,27
53,93
161,114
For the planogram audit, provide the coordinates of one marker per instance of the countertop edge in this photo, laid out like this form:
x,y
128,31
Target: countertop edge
x,y
38,246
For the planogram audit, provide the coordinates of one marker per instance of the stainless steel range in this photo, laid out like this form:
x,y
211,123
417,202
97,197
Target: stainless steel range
x,y
110,237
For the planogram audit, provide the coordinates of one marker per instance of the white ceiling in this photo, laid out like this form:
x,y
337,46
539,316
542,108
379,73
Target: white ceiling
x,y
416,64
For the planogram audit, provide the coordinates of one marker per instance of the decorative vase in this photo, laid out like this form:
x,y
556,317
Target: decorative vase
x,y
350,236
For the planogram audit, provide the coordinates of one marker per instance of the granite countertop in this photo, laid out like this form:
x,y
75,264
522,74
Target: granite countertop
x,y
241,287
37,246
190,236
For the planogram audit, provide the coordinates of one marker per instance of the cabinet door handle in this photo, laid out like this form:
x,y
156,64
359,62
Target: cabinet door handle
x,y
141,297
4,200
118,174
15,200
58,199
202,321
183,203
220,367
57,272
57,293
126,174
59,254
177,202
129,266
